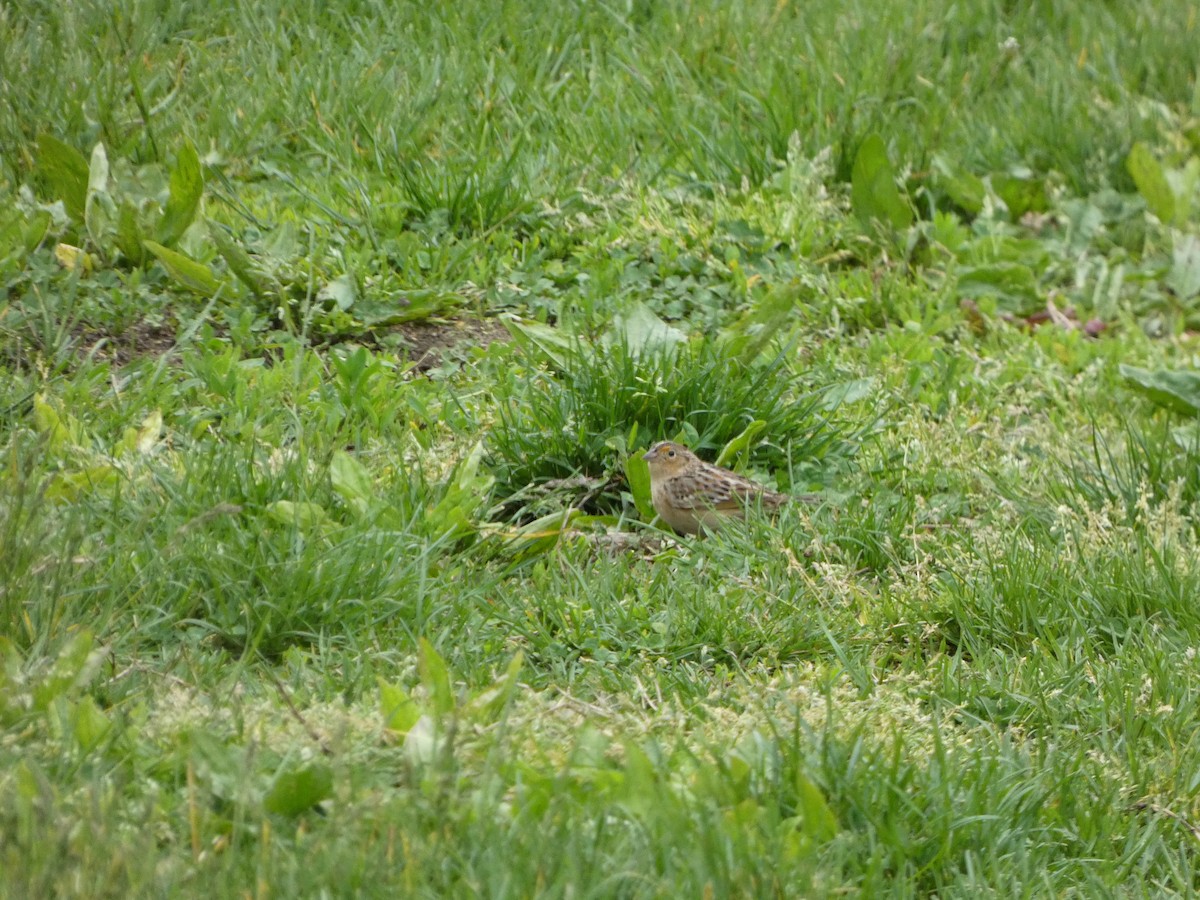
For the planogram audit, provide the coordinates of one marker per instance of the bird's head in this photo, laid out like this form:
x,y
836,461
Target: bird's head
x,y
667,458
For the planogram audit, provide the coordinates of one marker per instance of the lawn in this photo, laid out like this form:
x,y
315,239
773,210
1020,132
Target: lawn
x,y
331,336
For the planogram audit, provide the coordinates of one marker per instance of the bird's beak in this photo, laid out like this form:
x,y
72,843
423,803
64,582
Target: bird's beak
x,y
649,455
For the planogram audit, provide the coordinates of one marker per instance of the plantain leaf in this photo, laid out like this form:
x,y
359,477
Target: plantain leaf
x,y
352,481
545,342
400,711
74,258
70,486
299,513
89,723
817,819
1020,194
187,272
183,201
740,444
1178,391
97,209
129,234
637,473
74,668
963,187
1184,277
36,230
435,677
143,439
296,790
65,172
237,259
488,705
873,192
1151,182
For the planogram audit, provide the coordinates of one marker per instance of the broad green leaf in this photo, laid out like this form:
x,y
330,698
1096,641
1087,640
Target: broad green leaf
x,y
65,172
281,243
1151,182
641,331
353,368
1187,437
488,705
741,443
543,534
637,473
640,787
468,477
296,790
69,486
30,788
341,292
541,341
142,439
770,317
149,432
846,392
89,723
223,765
187,272
400,711
873,191
129,234
97,207
451,518
436,678
468,469
36,229
947,230
964,188
75,666
238,260
1020,194
50,424
11,663
98,171
1178,391
1012,283
1184,277
299,513
746,815
12,231
550,525
467,492
422,743
352,481
817,819
183,199
12,681
412,305
1185,185
73,258
20,236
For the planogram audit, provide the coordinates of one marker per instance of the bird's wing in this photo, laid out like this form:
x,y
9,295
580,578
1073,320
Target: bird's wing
x,y
719,491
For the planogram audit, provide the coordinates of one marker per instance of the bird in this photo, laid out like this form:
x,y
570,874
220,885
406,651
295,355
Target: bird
x,y
690,494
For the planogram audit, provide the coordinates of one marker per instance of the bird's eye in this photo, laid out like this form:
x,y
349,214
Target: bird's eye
x,y
671,454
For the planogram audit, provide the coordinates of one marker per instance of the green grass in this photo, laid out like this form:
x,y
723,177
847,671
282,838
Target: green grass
x,y
290,606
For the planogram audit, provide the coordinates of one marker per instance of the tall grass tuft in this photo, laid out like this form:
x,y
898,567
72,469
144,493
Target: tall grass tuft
x,y
606,403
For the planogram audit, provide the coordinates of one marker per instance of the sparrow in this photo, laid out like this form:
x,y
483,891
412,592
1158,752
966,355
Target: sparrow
x,y
689,494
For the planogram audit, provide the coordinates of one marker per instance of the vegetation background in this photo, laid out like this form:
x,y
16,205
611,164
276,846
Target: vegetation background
x,y
331,334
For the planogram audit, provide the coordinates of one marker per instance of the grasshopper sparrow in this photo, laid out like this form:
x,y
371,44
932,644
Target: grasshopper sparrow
x,y
690,494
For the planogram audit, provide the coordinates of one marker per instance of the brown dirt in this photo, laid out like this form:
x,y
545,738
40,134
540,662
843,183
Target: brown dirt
x,y
426,343
142,339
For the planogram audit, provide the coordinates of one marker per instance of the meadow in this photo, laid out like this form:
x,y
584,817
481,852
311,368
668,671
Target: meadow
x,y
331,336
